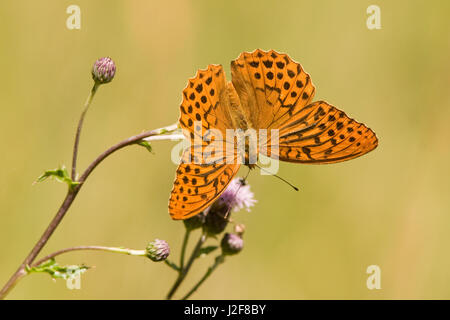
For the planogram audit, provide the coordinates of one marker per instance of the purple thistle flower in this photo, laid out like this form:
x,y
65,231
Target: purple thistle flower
x,y
103,70
238,195
158,250
231,244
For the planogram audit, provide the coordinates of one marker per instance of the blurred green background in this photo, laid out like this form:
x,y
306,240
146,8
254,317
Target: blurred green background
x,y
389,208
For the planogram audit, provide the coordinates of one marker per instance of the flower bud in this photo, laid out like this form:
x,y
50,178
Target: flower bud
x,y
194,222
216,219
158,250
103,70
239,229
231,244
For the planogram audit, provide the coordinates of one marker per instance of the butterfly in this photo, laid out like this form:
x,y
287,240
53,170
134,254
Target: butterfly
x,y
268,91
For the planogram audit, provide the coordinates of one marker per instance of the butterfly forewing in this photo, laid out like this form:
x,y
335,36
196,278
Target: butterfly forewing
x,y
271,87
205,101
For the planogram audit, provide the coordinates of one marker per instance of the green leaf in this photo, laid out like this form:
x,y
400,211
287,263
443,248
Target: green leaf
x,y
206,250
60,175
56,271
147,146
220,259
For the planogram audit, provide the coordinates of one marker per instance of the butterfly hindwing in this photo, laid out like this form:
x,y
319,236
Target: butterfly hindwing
x,y
196,186
320,133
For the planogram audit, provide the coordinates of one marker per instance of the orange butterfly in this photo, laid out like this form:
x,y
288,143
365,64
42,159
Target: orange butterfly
x,y
268,91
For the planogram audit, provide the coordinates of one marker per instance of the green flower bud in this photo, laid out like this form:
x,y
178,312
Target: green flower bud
x,y
158,250
103,70
231,244
194,222
217,217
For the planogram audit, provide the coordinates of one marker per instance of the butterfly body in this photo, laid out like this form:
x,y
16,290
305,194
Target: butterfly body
x,y
269,97
236,110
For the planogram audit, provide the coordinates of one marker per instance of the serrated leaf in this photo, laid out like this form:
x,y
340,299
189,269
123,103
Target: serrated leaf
x,y
206,250
58,272
60,175
147,146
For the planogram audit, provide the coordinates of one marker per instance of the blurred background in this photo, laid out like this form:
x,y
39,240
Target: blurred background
x,y
389,208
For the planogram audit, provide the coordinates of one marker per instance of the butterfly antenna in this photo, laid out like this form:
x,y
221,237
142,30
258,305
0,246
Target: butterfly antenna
x,y
277,176
246,176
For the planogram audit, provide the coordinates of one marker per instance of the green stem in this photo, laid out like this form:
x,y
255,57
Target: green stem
x,y
80,126
183,248
172,265
183,272
132,252
219,260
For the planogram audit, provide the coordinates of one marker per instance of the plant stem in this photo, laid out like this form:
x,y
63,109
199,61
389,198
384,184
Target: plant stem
x,y
183,272
70,197
219,260
40,244
178,136
132,140
172,265
131,252
183,248
80,126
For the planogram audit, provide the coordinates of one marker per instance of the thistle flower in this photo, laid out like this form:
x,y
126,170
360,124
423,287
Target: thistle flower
x,y
238,195
231,244
103,70
235,197
158,250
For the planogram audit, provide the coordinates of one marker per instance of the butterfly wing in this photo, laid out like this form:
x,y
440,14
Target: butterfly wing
x,y
202,174
277,93
320,133
197,186
205,100
272,87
